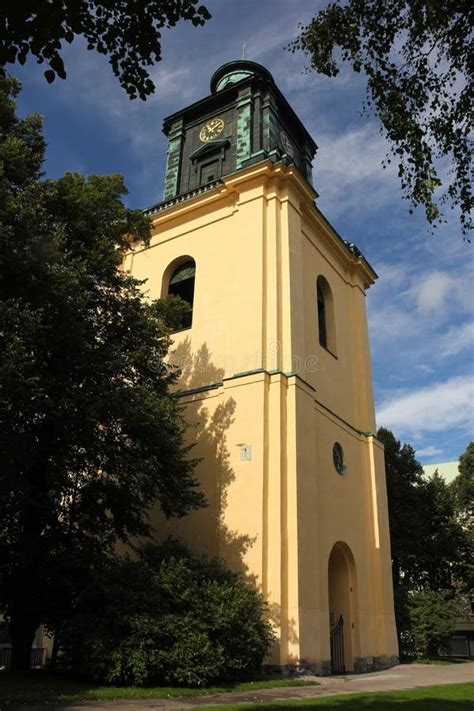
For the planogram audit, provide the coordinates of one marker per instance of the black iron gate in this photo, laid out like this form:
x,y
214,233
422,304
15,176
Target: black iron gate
x,y
337,647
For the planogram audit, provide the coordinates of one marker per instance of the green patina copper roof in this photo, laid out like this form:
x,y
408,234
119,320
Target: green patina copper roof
x,y
233,72
232,78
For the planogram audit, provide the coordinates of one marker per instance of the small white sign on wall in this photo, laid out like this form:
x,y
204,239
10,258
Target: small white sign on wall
x,y
246,453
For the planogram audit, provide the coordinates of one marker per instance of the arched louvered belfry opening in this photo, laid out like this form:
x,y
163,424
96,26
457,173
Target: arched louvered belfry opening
x,y
181,284
326,317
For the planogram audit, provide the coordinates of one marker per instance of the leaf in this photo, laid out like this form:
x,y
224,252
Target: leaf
x,y
415,60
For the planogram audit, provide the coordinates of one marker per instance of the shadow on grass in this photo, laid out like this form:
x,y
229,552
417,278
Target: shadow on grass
x,y
451,697
63,688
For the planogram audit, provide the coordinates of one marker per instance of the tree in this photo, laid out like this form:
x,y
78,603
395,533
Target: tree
x,y
403,476
417,57
404,479
462,492
128,32
462,487
90,435
168,617
430,549
445,545
432,617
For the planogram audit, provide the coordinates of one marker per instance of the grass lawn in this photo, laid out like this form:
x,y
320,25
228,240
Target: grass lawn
x,y
449,697
40,687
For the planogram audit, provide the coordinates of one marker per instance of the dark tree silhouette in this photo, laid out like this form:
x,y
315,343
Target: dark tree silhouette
x,y
126,31
90,435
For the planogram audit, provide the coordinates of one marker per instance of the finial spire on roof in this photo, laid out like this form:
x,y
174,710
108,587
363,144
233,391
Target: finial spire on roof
x,y
244,46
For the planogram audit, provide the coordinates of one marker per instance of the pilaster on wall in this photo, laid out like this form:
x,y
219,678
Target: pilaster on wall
x,y
282,285
274,581
173,160
296,307
361,369
290,548
272,280
269,124
308,163
244,128
379,545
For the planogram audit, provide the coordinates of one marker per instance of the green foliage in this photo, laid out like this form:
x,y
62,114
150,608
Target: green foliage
x,y
462,493
172,311
169,617
462,488
404,481
42,686
431,550
127,32
90,435
417,57
429,546
432,618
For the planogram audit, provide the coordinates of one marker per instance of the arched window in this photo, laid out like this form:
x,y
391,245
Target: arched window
x,y
323,336
182,284
326,321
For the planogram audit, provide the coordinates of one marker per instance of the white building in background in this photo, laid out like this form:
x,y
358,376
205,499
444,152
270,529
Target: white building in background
x,y
447,470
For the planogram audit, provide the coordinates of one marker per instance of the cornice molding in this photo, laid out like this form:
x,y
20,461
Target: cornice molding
x,y
266,169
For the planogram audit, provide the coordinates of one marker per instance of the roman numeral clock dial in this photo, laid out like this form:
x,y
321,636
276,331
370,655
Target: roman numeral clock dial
x,y
211,130
286,144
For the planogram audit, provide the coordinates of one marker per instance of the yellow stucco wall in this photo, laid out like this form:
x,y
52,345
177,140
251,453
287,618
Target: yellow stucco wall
x,y
259,245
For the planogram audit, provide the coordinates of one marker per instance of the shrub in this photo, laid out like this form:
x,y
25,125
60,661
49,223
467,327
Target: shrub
x,y
432,618
171,618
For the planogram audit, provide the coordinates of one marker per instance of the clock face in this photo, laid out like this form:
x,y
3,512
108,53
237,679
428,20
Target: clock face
x,y
286,144
211,130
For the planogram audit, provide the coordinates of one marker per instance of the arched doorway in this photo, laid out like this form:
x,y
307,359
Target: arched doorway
x,y
343,613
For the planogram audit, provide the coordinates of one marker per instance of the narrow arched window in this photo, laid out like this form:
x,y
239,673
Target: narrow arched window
x,y
326,318
323,336
182,284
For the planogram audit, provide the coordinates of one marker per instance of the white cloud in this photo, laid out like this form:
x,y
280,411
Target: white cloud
x,y
433,290
425,368
272,37
457,339
348,171
429,452
389,323
434,408
277,34
439,291
394,275
420,313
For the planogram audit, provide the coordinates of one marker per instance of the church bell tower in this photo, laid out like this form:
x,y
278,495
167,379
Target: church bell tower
x,y
275,373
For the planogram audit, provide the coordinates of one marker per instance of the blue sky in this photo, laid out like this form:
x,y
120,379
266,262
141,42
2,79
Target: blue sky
x,y
421,317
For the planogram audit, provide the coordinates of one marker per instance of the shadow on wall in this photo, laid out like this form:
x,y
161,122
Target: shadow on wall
x,y
209,417
286,627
